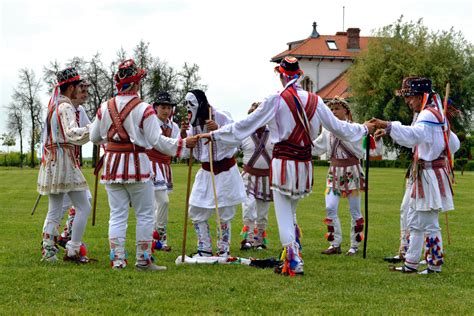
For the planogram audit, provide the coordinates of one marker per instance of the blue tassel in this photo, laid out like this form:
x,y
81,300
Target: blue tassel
x,y
112,255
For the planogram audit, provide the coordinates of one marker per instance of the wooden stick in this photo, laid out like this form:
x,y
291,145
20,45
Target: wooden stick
x,y
219,229
447,227
36,204
188,192
96,184
445,104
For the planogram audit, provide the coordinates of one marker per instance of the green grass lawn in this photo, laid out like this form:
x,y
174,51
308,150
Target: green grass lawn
x,y
331,285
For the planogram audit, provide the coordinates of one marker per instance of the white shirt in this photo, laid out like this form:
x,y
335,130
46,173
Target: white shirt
x,y
429,138
274,112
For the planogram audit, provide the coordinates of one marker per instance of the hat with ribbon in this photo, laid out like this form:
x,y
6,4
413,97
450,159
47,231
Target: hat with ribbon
x,y
289,66
412,86
164,98
127,74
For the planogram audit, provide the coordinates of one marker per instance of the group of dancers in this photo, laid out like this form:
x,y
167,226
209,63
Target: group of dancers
x,y
278,140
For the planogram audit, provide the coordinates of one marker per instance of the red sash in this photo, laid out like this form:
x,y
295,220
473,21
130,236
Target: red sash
x,y
298,145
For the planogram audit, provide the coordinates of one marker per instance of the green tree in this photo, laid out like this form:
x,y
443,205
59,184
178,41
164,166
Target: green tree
x,y
405,49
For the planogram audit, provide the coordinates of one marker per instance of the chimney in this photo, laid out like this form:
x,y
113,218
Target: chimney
x,y
353,38
315,33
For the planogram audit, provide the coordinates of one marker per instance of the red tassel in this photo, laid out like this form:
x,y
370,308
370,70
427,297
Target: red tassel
x,y
156,235
83,250
372,142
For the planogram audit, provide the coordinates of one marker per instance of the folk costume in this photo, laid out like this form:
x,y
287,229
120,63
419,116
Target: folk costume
x,y
82,121
429,189
162,178
345,178
229,186
293,117
257,150
129,127
60,172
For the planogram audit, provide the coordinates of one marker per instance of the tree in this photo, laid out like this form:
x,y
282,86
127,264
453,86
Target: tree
x,y
16,125
188,79
143,59
8,140
403,49
161,77
26,96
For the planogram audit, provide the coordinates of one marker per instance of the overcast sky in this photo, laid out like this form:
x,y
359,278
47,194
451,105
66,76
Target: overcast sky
x,y
232,42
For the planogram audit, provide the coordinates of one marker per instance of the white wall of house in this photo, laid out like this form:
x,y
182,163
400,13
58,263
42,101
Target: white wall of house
x,y
324,71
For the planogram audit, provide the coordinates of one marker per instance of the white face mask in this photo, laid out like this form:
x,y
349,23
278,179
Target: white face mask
x,y
192,106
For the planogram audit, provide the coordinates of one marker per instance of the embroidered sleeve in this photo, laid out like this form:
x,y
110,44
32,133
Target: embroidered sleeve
x,y
149,111
72,132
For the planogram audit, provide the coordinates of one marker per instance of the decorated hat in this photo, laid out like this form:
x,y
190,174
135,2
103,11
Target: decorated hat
x,y
341,101
68,75
414,86
289,66
338,100
128,73
164,98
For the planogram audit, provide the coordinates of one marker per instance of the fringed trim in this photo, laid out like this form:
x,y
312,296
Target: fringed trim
x,y
288,257
298,236
113,256
245,232
433,252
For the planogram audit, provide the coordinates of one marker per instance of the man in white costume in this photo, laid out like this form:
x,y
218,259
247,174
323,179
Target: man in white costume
x,y
293,117
163,177
345,179
257,150
428,190
129,126
228,182
60,172
82,120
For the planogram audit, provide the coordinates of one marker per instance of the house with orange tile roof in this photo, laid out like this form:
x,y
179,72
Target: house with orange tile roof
x,y
325,60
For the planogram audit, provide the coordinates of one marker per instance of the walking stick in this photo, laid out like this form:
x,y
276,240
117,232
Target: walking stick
x,y
445,105
36,204
96,184
219,229
188,192
366,214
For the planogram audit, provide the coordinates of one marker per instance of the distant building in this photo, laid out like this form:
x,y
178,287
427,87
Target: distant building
x,y
325,60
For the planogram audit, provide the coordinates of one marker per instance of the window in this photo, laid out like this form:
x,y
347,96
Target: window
x,y
307,84
331,44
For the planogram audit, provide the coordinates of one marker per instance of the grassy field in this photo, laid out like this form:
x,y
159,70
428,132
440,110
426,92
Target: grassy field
x,y
331,285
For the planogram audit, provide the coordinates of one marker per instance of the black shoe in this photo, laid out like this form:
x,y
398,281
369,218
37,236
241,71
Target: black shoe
x,y
394,259
402,269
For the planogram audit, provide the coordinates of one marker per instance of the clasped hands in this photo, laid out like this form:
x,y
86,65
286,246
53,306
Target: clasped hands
x,y
191,141
376,127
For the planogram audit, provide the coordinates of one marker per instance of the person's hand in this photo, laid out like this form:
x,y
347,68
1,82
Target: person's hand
x,y
379,123
184,128
191,141
211,125
205,135
379,133
370,126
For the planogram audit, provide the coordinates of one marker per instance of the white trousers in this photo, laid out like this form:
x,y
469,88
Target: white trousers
x,y
332,209
67,202
255,211
82,204
141,197
161,208
423,225
404,208
285,211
